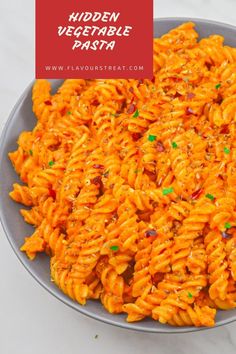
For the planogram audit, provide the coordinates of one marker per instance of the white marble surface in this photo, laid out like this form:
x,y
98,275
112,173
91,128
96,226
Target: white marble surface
x,y
31,320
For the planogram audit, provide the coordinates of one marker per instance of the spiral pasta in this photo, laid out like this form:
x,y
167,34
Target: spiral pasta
x,y
130,184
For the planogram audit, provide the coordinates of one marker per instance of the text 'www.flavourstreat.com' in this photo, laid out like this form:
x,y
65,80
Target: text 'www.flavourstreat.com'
x,y
94,68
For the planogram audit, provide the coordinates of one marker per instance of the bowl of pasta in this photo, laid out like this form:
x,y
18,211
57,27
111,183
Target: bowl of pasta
x,y
118,196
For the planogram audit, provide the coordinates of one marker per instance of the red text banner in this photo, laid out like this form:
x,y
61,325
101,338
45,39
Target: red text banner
x,y
94,39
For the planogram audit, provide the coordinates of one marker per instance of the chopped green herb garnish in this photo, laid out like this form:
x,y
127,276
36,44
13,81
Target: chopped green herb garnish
x,y
190,295
114,248
210,196
51,163
167,191
227,225
69,113
174,145
136,113
31,152
137,171
218,86
226,150
152,137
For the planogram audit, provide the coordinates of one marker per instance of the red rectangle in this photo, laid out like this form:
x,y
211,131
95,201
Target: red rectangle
x,y
67,33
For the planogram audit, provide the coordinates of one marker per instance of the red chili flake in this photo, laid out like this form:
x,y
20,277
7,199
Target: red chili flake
x,y
224,129
208,65
219,99
176,79
89,205
160,146
98,166
131,109
153,79
48,103
52,193
141,81
189,111
150,233
196,194
125,105
136,136
63,111
157,277
131,90
97,181
177,94
151,175
155,204
190,95
95,103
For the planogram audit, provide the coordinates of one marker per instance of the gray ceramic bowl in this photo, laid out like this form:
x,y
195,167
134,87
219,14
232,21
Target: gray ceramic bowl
x,y
16,229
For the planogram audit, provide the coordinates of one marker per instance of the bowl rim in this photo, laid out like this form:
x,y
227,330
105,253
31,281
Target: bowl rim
x,y
59,295
195,19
